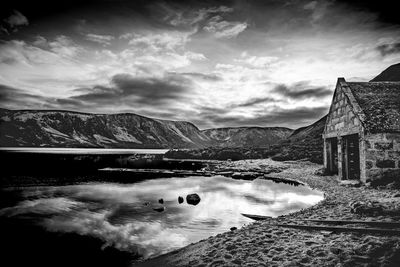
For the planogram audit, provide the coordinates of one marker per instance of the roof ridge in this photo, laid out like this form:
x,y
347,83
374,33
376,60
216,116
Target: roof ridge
x,y
377,82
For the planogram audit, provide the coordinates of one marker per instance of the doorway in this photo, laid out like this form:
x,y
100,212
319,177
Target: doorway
x,y
332,155
351,157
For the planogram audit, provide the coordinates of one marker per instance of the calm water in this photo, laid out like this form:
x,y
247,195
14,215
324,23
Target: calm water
x,y
118,214
86,151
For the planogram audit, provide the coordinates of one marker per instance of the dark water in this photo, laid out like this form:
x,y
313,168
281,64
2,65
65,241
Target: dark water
x,y
117,214
84,151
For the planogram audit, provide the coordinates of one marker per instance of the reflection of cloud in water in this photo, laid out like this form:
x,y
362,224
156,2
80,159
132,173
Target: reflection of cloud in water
x,y
115,213
41,206
146,238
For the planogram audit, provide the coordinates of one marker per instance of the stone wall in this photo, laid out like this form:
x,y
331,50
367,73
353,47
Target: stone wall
x,y
382,157
341,119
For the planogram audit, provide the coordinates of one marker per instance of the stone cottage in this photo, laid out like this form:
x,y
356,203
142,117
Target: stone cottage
x,y
362,131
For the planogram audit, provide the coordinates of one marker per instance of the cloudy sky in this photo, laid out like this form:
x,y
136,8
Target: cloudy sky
x,y
214,63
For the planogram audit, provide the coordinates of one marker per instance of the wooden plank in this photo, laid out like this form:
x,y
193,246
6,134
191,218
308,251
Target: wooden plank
x,y
371,223
256,217
340,229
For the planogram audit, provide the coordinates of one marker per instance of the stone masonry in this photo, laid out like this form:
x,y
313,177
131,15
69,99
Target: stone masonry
x,y
382,156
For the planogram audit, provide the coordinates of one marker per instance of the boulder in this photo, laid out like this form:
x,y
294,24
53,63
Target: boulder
x,y
193,199
161,201
180,200
233,228
159,209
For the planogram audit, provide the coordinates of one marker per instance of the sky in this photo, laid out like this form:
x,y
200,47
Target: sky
x,y
213,63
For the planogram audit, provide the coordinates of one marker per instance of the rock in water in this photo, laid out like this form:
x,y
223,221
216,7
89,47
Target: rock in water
x,y
193,199
159,209
161,201
180,200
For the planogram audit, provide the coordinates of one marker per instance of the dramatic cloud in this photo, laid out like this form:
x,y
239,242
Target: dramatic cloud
x,y
388,49
11,97
147,91
224,29
203,76
15,20
256,101
215,63
101,39
278,117
160,41
257,62
302,90
184,17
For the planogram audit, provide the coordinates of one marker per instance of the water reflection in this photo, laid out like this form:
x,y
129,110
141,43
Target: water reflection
x,y
117,214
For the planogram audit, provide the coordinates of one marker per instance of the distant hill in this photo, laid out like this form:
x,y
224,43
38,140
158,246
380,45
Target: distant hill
x,y
55,128
309,132
391,74
303,143
39,128
247,136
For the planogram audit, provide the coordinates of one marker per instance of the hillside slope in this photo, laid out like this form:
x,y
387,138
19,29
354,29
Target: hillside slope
x,y
247,136
391,74
304,143
73,129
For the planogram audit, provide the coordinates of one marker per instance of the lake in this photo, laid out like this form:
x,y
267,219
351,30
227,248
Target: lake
x,y
122,215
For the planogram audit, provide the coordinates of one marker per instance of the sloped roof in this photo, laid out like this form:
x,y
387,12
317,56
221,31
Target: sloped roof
x,y
380,102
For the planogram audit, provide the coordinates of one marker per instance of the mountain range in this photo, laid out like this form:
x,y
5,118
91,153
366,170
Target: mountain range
x,y
56,128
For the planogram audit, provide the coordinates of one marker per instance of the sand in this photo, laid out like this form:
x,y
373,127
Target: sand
x,y
260,244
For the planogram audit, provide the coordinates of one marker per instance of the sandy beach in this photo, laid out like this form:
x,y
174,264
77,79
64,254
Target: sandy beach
x,y
260,244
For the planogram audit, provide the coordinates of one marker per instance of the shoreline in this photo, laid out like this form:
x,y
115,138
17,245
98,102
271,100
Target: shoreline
x,y
260,244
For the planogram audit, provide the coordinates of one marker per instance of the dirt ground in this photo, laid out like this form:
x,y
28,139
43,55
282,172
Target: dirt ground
x,y
260,244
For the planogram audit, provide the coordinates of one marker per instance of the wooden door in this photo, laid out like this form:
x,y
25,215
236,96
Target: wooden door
x,y
345,174
332,155
351,157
